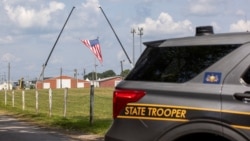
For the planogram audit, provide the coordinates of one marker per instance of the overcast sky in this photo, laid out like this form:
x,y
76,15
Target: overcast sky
x,y
29,29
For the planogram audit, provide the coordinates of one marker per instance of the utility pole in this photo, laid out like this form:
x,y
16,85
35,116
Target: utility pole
x,y
122,66
84,73
95,73
133,32
9,76
61,77
140,29
75,75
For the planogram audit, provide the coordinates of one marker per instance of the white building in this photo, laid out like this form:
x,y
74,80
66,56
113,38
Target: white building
x,y
5,86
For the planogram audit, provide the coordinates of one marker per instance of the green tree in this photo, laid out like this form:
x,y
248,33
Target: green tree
x,y
125,73
92,76
108,73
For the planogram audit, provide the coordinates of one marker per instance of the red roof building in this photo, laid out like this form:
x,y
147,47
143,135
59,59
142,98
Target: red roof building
x,y
110,81
62,82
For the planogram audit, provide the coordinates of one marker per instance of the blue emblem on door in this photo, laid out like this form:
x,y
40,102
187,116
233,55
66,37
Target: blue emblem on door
x,y
212,78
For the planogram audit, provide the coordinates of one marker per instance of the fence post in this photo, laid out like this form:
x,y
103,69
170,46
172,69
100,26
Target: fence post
x,y
36,101
65,101
5,97
23,99
50,102
13,99
91,104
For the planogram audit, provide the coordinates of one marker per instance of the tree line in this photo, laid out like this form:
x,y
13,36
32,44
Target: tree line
x,y
105,74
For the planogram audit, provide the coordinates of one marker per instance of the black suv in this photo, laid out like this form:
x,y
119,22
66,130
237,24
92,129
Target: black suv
x,y
190,88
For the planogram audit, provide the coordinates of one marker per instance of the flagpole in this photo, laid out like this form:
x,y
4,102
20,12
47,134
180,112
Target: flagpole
x,y
116,37
95,72
96,65
45,64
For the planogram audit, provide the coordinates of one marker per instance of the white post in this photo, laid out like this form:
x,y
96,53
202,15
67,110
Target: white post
x,y
65,101
13,99
5,97
50,102
36,101
23,99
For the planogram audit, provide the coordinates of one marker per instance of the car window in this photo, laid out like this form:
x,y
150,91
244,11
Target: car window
x,y
176,64
246,76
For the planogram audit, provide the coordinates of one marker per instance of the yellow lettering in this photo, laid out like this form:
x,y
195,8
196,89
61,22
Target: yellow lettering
x,y
126,110
129,110
178,113
173,112
142,111
167,112
159,112
183,113
155,112
149,111
139,111
134,112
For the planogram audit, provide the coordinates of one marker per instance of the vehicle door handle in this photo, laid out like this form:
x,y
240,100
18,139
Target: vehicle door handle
x,y
245,97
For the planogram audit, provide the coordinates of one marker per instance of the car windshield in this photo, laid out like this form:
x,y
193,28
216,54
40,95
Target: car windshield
x,y
176,64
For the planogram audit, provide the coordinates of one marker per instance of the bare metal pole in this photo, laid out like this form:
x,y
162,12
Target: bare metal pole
x,y
8,76
133,32
44,65
140,29
116,36
121,67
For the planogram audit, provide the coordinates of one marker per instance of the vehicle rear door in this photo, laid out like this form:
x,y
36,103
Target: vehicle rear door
x,y
235,97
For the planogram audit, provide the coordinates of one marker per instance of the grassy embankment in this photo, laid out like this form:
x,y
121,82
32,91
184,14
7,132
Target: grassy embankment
x,y
78,108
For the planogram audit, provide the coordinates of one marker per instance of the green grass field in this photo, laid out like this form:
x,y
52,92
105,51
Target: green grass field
x,y
77,113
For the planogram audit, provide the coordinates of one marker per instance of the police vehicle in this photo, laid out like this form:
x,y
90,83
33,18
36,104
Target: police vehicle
x,y
190,88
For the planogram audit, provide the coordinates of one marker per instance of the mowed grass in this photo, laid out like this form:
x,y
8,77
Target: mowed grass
x,y
77,111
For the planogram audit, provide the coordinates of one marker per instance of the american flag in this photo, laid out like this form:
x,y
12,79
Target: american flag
x,y
94,46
